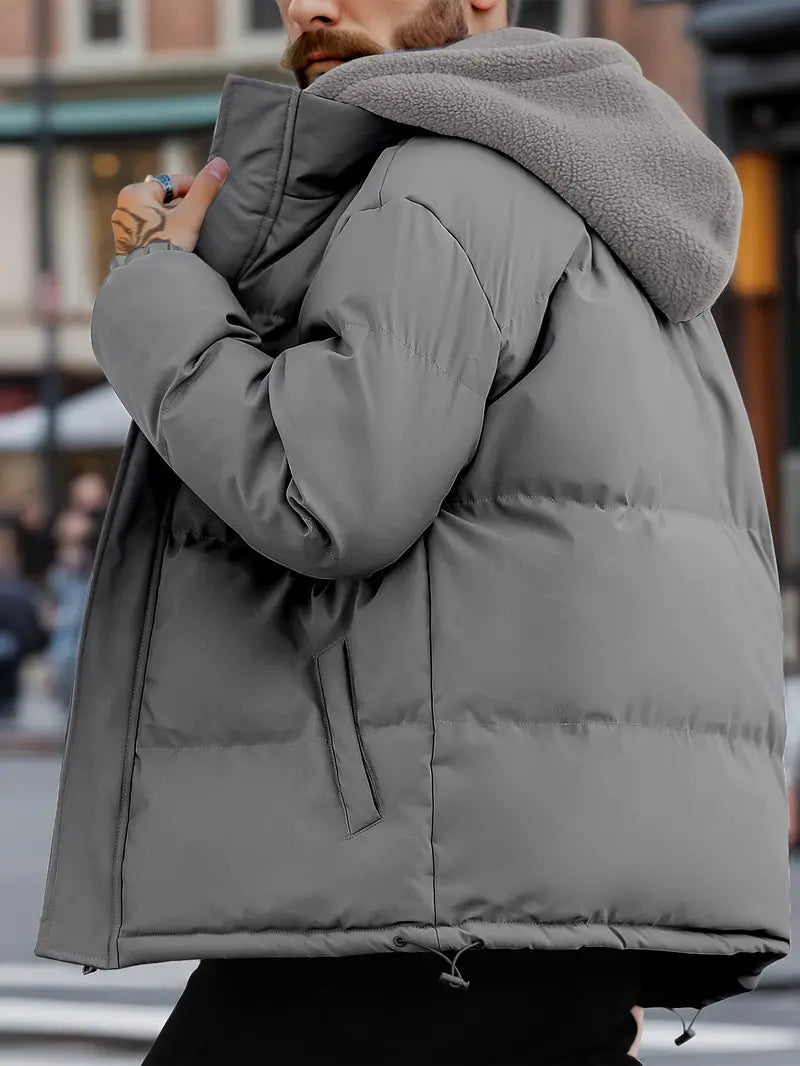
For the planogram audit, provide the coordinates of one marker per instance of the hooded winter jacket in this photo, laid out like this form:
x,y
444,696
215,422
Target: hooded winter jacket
x,y
436,605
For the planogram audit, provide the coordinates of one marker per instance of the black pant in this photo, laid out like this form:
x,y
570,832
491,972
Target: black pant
x,y
542,1008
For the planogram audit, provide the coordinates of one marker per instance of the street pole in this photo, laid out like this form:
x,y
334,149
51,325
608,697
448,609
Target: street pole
x,y
47,292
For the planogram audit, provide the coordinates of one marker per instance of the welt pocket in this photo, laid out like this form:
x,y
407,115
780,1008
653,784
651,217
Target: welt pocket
x,y
351,770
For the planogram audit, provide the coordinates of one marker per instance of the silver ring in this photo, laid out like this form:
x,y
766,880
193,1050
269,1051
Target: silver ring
x,y
165,181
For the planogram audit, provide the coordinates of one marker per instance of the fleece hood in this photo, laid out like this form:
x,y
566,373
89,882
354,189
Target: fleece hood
x,y
580,115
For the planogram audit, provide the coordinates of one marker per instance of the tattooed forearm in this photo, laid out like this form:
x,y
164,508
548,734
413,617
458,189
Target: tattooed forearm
x,y
132,230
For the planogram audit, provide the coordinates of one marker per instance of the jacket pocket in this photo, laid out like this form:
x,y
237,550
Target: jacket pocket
x,y
351,770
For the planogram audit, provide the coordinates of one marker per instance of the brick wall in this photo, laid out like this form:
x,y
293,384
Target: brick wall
x,y
171,25
16,28
654,34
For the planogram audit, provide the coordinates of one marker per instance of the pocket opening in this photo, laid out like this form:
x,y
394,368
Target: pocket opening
x,y
353,775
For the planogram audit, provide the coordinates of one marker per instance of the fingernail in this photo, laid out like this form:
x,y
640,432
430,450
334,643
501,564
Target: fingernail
x,y
218,167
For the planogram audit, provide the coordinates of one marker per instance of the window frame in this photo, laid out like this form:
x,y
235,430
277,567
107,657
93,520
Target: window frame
x,y
76,42
139,154
235,36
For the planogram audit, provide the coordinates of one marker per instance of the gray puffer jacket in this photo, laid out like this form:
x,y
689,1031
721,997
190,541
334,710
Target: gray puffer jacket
x,y
436,604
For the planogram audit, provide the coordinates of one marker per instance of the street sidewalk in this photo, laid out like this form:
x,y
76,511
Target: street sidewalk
x,y
786,973
40,723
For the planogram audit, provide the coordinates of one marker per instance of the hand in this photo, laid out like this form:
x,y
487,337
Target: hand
x,y
141,216
638,1014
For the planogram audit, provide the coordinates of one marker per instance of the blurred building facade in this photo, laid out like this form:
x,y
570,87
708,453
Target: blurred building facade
x,y
137,85
751,87
136,89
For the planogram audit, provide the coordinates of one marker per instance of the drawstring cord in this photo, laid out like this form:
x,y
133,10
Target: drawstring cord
x,y
453,978
688,1031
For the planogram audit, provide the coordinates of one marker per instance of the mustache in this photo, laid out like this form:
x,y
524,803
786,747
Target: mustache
x,y
343,44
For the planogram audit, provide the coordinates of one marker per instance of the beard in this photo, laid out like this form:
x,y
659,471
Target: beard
x,y
439,23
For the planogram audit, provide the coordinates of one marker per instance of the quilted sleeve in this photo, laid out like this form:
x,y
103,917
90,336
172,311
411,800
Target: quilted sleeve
x,y
333,457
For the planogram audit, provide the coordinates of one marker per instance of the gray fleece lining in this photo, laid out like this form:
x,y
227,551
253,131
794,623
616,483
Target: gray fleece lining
x,y
580,115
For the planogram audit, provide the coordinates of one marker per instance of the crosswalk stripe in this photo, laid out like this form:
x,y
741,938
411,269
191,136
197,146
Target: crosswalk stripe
x,y
110,1021
169,976
713,1037
23,1053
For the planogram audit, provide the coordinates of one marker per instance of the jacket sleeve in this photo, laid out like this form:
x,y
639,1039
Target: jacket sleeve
x,y
334,456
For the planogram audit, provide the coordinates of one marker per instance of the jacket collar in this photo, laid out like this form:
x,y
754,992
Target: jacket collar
x,y
292,156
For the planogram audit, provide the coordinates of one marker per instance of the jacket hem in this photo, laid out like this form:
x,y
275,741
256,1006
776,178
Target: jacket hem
x,y
136,949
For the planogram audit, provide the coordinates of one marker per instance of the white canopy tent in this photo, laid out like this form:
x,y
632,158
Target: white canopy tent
x,y
94,418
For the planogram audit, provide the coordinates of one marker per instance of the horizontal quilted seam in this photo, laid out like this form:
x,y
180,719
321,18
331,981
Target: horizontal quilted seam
x,y
721,732
577,922
466,502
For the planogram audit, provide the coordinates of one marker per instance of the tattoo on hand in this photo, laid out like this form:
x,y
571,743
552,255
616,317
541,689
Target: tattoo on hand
x,y
132,231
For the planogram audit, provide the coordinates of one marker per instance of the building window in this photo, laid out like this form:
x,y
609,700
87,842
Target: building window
x,y
109,169
262,15
198,150
101,31
110,166
105,20
251,28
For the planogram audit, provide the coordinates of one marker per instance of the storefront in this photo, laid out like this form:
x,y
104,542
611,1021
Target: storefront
x,y
751,84
102,143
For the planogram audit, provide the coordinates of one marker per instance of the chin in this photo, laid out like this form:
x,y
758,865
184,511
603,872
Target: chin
x,y
309,78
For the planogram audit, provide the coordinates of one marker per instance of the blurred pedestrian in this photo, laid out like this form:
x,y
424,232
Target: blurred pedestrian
x,y
35,537
438,634
89,494
68,584
22,630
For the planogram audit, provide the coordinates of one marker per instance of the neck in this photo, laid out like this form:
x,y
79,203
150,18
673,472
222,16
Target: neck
x,y
483,21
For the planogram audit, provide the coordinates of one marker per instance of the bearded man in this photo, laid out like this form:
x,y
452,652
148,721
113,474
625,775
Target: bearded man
x,y
436,609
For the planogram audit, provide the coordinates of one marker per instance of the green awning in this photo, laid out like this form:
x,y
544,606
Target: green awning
x,y
86,118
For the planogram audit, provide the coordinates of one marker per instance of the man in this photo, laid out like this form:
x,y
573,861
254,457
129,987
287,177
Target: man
x,y
437,606
22,628
67,583
88,494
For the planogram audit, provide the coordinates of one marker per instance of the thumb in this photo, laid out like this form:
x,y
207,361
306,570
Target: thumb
x,y
206,185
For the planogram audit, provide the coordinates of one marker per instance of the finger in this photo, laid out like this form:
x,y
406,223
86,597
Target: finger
x,y
204,188
150,191
181,183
